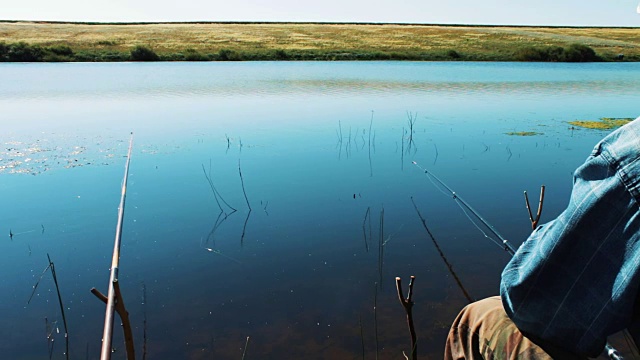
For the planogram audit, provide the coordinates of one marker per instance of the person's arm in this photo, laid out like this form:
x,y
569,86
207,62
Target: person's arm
x,y
575,280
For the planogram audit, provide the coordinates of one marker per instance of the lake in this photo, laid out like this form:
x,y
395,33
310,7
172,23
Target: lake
x,y
305,265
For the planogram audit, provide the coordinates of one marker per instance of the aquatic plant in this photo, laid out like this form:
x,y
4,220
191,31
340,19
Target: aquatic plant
x,y
602,124
523,133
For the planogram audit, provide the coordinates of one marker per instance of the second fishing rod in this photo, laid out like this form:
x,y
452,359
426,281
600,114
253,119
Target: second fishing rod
x,y
610,351
463,204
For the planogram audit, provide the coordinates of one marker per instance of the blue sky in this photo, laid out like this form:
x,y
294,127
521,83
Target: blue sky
x,y
507,12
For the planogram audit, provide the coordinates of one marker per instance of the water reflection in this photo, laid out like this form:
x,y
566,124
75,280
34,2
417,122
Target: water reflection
x,y
118,81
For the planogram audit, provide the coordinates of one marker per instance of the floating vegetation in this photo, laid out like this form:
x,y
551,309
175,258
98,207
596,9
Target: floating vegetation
x,y
602,124
523,133
35,155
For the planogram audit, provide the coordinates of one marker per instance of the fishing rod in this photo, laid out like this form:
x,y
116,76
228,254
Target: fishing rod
x,y
608,349
107,334
463,204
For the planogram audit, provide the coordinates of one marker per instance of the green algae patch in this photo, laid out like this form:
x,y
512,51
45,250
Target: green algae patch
x,y
524,133
602,124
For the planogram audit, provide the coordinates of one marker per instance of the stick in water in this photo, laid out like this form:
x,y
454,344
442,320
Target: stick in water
x,y
64,318
407,304
242,183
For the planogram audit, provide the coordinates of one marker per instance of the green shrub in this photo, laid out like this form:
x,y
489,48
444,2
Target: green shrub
x,y
228,55
579,53
4,49
143,53
193,55
553,53
56,58
453,54
529,54
62,50
22,51
574,53
106,42
281,55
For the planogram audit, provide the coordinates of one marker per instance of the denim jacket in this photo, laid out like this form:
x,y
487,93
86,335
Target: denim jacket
x,y
575,280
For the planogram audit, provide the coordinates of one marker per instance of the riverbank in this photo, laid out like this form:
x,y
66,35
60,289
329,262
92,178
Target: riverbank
x,y
48,41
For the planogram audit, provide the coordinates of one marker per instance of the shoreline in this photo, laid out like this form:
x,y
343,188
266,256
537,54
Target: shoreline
x,y
252,41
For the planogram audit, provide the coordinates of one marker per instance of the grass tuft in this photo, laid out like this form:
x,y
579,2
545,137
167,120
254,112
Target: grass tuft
x,y
523,133
602,124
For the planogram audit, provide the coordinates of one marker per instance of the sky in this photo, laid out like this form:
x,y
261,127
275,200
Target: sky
x,y
489,12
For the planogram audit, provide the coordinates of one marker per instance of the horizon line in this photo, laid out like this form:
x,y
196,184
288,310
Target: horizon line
x,y
266,22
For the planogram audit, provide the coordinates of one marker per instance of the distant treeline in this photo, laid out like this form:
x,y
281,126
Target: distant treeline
x,y
24,52
313,23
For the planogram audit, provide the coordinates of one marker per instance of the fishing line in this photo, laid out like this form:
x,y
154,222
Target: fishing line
x,y
503,243
609,350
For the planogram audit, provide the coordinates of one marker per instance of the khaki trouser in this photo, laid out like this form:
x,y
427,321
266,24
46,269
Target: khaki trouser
x,y
483,330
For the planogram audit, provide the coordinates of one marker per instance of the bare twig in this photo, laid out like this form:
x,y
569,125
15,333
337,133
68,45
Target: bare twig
x,y
407,303
534,222
364,231
348,152
375,315
216,193
64,318
213,188
244,228
361,335
124,316
370,126
402,151
244,352
144,321
242,183
412,121
381,247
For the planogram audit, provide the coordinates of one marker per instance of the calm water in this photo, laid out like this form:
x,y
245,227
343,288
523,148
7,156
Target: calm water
x,y
326,157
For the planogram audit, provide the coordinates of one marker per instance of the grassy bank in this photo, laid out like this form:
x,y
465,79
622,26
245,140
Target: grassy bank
x,y
37,41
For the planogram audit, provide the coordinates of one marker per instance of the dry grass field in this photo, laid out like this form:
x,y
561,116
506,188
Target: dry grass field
x,y
256,40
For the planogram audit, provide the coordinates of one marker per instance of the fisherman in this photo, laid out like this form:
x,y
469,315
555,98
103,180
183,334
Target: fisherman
x,y
575,280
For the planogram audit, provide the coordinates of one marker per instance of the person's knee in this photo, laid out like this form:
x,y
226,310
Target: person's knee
x,y
465,338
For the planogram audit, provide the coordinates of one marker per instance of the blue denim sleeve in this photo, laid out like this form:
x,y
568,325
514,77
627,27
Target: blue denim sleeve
x,y
574,281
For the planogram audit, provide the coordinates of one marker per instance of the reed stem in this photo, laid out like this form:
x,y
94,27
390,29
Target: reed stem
x,y
375,315
361,335
370,126
364,231
64,318
242,183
